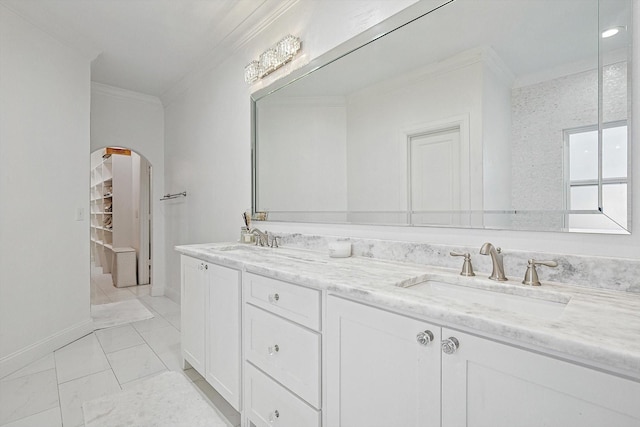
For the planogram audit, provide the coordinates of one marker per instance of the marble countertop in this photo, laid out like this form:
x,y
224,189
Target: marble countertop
x,y
595,326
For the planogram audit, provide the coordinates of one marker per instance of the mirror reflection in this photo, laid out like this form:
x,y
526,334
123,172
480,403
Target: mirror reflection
x,y
496,114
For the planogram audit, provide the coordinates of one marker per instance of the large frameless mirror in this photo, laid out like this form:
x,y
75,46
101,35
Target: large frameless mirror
x,y
484,114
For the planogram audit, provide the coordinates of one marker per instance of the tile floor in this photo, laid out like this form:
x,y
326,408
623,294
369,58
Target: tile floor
x,y
50,391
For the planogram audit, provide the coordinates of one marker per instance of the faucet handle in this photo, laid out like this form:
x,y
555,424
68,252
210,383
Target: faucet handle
x,y
547,263
467,268
531,275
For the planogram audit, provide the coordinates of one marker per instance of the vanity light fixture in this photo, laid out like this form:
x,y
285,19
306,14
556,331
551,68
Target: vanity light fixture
x,y
610,32
269,61
252,72
272,59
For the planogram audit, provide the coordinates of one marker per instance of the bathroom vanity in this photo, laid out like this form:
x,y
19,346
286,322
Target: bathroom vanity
x,y
366,342
422,124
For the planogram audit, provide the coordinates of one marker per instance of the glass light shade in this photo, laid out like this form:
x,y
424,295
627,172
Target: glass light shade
x,y
287,47
272,58
252,72
269,61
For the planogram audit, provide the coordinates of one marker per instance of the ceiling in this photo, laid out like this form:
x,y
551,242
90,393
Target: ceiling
x,y
147,46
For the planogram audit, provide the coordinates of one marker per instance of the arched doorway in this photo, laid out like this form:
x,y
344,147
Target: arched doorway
x,y
120,222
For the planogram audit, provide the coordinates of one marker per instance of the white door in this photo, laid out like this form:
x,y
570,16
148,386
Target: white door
x,y
192,321
436,176
223,332
488,384
378,374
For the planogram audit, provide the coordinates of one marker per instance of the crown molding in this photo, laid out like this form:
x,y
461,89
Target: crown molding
x,y
483,55
278,8
116,92
249,29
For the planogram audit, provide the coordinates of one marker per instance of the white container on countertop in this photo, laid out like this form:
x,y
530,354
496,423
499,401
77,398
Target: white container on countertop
x,y
340,249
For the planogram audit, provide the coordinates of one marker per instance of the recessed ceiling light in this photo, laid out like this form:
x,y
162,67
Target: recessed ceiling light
x,y
610,32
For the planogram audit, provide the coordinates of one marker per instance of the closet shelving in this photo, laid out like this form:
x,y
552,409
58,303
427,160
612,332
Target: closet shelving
x,y
111,211
102,212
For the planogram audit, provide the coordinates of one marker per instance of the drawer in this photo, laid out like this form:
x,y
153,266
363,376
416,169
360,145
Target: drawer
x,y
286,351
297,303
268,403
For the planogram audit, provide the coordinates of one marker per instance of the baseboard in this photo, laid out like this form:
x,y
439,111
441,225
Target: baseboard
x,y
38,350
172,294
157,290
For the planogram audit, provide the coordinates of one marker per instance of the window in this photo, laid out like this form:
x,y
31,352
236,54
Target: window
x,y
582,175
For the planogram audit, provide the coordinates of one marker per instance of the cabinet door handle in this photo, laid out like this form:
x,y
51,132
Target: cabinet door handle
x,y
273,350
450,345
425,337
274,416
274,298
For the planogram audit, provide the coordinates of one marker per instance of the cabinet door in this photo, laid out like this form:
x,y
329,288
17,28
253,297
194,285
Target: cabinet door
x,y
378,374
485,383
223,332
192,322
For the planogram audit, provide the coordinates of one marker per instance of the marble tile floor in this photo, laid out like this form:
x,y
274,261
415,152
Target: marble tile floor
x,y
50,391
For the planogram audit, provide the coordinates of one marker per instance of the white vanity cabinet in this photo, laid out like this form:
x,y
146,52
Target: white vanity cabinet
x,y
282,350
192,312
210,325
485,383
383,369
379,374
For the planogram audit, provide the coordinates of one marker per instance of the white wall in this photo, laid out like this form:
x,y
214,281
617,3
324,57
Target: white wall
x,y
207,137
128,119
135,202
44,180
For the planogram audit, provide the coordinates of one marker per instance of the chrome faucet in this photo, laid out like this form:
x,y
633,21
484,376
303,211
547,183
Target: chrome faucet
x,y
263,237
496,260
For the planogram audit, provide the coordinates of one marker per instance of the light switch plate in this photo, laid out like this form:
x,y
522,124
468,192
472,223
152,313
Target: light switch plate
x,y
80,214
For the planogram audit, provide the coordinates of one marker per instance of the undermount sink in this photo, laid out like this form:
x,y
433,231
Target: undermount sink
x,y
508,297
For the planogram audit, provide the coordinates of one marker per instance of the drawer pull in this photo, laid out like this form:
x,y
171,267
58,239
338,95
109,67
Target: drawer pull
x,y
273,350
450,345
274,298
424,337
274,416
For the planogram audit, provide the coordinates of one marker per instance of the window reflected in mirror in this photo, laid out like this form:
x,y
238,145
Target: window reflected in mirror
x,y
584,176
